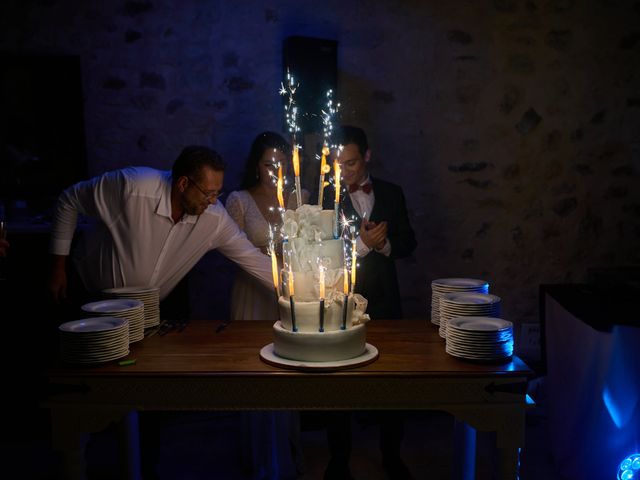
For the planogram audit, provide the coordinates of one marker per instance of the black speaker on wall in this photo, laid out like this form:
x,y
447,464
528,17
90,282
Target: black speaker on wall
x,y
313,62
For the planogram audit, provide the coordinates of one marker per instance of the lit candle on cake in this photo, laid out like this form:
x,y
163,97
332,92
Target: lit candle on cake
x,y
345,281
291,301
296,173
353,259
324,169
279,187
336,203
274,271
345,298
321,270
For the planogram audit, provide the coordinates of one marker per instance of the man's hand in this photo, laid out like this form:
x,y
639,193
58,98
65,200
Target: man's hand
x,y
374,235
57,284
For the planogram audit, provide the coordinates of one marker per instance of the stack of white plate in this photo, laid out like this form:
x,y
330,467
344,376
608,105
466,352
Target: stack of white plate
x,y
132,310
479,338
453,285
94,340
467,305
148,295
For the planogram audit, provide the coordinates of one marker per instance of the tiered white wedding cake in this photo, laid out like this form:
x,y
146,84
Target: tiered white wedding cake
x,y
314,325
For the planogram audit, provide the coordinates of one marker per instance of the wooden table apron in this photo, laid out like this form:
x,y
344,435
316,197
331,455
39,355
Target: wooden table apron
x,y
199,369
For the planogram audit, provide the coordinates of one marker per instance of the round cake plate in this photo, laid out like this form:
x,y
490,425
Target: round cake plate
x,y
370,355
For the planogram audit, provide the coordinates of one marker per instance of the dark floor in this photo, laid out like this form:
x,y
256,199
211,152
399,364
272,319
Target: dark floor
x,y
201,445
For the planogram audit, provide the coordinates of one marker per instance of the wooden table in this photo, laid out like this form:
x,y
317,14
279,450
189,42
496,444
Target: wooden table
x,y
200,369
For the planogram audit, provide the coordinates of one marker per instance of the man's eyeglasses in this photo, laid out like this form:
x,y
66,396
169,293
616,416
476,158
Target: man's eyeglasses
x,y
208,196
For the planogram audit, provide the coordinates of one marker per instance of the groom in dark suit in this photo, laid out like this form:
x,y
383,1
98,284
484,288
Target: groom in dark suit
x,y
379,212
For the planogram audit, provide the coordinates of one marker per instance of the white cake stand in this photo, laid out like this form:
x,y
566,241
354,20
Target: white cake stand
x,y
369,355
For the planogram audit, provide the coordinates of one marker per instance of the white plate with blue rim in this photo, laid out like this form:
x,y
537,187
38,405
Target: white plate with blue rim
x,y
93,325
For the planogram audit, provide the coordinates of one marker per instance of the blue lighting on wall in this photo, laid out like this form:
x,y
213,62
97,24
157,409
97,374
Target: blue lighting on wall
x,y
621,392
629,468
620,407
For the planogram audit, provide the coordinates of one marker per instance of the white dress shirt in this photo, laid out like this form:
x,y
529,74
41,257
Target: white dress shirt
x,y
363,204
135,241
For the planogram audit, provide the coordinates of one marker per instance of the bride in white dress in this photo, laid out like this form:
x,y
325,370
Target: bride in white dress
x,y
272,444
253,208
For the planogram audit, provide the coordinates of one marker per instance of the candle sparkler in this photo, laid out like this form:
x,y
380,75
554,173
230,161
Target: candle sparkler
x,y
291,301
291,113
290,107
324,169
353,258
336,203
279,188
321,270
327,121
345,297
274,271
296,172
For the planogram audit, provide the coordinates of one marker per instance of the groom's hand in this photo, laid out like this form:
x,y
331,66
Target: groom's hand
x,y
374,235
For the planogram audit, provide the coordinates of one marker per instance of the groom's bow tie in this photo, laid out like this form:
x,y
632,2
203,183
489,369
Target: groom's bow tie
x,y
366,188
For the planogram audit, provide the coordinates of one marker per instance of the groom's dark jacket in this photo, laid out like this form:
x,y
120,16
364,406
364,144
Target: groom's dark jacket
x,y
376,278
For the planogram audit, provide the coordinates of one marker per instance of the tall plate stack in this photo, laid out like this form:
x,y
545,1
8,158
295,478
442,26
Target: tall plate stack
x,y
131,310
454,305
94,340
442,286
148,295
479,338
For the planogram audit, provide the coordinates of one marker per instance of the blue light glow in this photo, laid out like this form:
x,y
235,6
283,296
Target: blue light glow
x,y
614,410
629,468
621,392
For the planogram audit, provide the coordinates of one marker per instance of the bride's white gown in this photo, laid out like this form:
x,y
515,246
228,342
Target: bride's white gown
x,y
271,439
249,299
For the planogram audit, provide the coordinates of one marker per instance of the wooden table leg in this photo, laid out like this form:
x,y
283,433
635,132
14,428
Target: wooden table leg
x,y
70,444
130,446
464,451
509,441
509,424
509,463
70,429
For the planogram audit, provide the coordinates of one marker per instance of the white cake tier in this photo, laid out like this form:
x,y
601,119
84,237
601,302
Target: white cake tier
x,y
308,313
307,284
310,245
309,222
319,347
305,256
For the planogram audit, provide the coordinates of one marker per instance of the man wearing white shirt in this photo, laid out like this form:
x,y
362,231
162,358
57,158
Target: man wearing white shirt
x,y
152,227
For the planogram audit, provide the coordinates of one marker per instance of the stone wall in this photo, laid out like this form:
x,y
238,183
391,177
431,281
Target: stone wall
x,y
513,126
